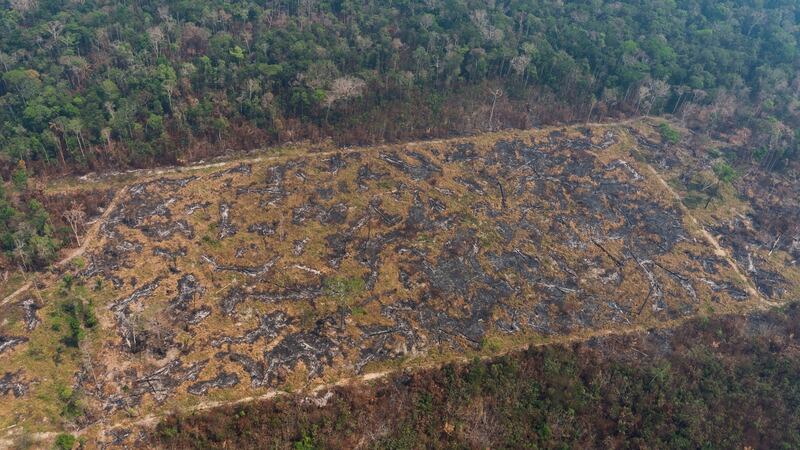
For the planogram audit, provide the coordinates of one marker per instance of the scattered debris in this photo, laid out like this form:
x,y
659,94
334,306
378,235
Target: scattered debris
x,y
442,247
263,228
12,382
9,342
145,291
162,382
226,228
192,207
249,271
245,169
299,246
29,307
221,381
170,254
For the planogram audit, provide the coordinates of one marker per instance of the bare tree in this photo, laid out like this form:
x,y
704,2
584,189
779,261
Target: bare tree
x,y
757,17
497,93
57,126
156,36
344,88
88,364
76,218
520,64
20,254
7,60
591,108
23,6
55,28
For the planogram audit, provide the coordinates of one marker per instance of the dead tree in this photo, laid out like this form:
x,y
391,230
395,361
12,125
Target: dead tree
x,y
502,194
21,254
497,93
76,218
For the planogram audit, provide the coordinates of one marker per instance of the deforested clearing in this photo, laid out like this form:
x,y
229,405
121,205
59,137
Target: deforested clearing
x,y
208,286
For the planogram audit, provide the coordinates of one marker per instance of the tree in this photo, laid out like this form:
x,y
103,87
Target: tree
x,y
20,176
26,82
156,37
344,88
23,6
496,93
76,218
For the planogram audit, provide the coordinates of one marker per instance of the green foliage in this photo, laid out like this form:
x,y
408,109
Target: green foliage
x,y
694,200
669,134
236,52
65,441
760,153
306,442
181,73
210,241
66,283
89,317
343,289
26,233
702,188
78,263
78,316
20,177
168,432
425,403
725,172
71,407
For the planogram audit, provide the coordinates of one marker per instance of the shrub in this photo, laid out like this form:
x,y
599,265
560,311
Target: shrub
x,y
78,316
65,441
20,176
305,443
71,407
669,134
725,172
343,289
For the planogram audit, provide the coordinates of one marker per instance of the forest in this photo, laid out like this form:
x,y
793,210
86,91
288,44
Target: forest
x,y
95,84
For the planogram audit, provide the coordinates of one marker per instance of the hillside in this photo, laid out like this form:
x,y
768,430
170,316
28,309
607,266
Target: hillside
x,y
288,271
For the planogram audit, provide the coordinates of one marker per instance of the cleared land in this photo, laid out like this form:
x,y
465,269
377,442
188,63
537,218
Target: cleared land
x,y
285,273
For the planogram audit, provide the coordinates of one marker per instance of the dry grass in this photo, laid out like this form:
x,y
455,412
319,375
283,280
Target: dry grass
x,y
590,277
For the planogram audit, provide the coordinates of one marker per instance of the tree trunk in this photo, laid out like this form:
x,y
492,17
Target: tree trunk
x,y
591,109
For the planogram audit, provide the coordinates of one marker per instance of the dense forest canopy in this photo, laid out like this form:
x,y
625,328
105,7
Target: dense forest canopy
x,y
94,84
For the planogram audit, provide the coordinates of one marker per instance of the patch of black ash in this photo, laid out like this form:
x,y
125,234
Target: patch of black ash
x,y
12,382
221,381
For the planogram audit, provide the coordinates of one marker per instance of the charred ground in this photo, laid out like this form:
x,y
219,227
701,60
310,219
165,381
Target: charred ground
x,y
301,270
723,382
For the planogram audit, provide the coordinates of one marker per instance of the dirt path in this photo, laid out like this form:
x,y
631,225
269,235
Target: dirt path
x,y
88,239
719,250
